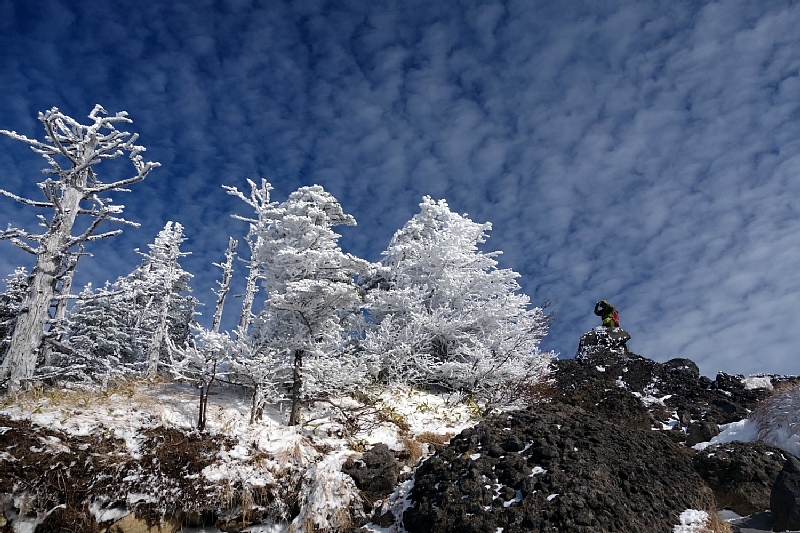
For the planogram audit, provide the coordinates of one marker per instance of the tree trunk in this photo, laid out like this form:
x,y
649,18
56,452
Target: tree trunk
x,y
20,362
154,355
297,385
225,284
201,417
249,296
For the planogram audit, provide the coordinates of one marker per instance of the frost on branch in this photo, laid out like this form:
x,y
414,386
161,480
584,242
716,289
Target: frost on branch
x,y
135,322
441,312
310,289
73,187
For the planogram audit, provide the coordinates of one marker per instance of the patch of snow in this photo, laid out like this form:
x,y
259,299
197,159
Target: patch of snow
x,y
107,514
517,499
552,497
600,368
742,431
692,521
475,456
757,382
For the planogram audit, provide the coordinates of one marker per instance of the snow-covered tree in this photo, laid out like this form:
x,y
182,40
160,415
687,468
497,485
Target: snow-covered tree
x,y
199,361
310,286
161,284
10,301
72,188
441,312
266,211
131,325
97,338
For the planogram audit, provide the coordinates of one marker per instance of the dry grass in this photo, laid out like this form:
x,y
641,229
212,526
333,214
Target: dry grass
x,y
434,438
413,448
716,524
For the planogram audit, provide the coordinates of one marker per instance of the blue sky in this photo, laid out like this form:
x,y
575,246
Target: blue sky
x,y
646,153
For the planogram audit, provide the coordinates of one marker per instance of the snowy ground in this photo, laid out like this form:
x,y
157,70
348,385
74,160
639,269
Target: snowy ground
x,y
396,417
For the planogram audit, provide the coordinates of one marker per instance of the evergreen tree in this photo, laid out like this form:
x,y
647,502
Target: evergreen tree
x,y
441,312
132,325
310,288
10,302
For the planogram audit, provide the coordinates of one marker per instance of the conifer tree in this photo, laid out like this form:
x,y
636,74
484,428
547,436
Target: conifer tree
x,y
310,287
441,312
132,325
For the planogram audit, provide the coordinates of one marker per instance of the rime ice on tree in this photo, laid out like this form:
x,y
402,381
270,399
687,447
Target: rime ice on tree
x,y
73,188
442,312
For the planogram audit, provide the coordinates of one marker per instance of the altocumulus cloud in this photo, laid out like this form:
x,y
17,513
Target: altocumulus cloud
x,y
642,152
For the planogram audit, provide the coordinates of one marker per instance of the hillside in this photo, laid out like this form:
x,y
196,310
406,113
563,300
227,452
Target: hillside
x,y
617,442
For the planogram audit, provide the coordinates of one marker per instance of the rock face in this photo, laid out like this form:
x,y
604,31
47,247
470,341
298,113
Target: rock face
x,y
785,498
555,467
741,474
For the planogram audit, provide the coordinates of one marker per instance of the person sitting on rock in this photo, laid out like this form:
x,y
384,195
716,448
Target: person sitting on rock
x,y
607,313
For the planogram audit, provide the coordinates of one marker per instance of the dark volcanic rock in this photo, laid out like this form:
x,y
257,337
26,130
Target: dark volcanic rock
x,y
671,394
555,467
602,340
785,498
376,473
741,474
703,431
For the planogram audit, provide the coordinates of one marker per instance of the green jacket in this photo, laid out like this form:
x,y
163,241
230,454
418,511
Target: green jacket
x,y
607,313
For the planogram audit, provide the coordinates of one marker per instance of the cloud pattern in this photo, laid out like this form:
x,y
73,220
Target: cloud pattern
x,y
641,152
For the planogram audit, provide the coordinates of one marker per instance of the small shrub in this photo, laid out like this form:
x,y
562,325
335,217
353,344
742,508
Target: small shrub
x,y
434,438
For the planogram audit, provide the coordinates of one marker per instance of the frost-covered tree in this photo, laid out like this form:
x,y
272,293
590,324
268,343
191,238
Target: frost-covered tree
x,y
97,339
132,324
199,361
266,212
161,284
73,188
310,287
441,312
10,301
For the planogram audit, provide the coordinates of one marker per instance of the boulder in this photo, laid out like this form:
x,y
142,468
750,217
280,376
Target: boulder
x,y
785,497
375,473
741,474
602,339
555,467
702,431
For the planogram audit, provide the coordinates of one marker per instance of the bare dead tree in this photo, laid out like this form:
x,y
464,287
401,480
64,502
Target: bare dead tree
x,y
72,188
225,284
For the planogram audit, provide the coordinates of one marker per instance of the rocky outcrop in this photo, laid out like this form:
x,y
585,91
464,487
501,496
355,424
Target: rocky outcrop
x,y
555,467
741,474
785,498
603,340
673,394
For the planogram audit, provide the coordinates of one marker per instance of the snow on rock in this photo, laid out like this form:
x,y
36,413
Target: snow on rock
x,y
692,521
329,498
757,382
742,431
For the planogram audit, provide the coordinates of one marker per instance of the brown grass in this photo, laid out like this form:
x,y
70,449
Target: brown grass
x,y
434,438
716,524
413,448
